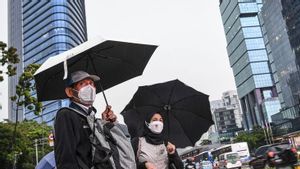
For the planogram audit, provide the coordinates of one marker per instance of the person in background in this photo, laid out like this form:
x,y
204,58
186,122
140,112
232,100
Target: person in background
x,y
190,163
152,151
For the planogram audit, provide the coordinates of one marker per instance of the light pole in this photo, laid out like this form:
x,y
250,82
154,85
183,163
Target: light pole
x,y
16,159
39,142
36,152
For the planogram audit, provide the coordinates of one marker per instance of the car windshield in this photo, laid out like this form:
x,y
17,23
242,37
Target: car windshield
x,y
261,150
280,147
233,156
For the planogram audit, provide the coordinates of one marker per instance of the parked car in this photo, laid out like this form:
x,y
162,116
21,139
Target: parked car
x,y
274,155
230,160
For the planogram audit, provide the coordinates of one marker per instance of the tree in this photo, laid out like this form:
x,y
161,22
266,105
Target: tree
x,y
24,150
8,57
254,138
24,96
24,90
25,87
205,142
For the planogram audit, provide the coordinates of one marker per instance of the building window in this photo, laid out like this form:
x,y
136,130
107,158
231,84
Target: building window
x,y
263,80
255,43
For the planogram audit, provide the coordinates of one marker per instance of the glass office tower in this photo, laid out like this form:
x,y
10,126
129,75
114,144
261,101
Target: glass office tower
x,y
15,39
282,22
249,60
50,28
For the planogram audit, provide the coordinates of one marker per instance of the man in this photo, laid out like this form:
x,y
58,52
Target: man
x,y
72,145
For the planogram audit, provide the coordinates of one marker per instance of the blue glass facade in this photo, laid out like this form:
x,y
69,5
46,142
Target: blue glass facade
x,y
15,40
282,22
50,28
271,107
248,57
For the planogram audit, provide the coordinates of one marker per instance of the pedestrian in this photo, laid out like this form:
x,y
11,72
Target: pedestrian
x,y
152,151
72,147
190,163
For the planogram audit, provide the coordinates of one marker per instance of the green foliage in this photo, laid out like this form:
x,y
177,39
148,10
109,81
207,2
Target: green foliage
x,y
254,138
26,133
25,88
205,142
8,57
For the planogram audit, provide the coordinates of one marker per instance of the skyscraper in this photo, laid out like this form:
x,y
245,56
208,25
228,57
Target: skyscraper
x,y
248,59
15,40
49,28
282,24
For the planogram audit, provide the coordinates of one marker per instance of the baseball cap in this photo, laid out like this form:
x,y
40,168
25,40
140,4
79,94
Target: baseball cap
x,y
80,75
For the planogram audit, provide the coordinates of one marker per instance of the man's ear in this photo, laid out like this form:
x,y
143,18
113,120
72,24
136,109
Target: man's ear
x,y
69,92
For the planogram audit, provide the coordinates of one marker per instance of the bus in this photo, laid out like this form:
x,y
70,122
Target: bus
x,y
198,152
240,148
190,153
203,156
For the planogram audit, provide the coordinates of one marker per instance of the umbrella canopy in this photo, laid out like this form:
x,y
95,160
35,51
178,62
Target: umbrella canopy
x,y
47,162
113,61
186,111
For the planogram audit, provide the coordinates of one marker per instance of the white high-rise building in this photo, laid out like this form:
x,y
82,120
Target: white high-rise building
x,y
231,101
227,116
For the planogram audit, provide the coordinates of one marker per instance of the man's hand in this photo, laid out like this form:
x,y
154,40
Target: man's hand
x,y
109,115
150,165
171,148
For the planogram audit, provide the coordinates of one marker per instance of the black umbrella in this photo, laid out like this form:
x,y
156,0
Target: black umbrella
x,y
186,111
113,61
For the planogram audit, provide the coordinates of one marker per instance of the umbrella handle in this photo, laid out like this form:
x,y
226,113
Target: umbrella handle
x,y
104,96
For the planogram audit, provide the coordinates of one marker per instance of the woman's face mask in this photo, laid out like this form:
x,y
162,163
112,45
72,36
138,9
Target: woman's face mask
x,y
86,94
156,126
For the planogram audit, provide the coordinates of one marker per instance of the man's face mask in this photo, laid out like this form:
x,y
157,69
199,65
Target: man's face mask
x,y
156,126
86,94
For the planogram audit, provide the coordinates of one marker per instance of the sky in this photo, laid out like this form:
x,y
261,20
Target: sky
x,y
190,36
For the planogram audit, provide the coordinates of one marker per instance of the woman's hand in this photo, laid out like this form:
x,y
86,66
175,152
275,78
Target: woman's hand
x,y
150,165
171,148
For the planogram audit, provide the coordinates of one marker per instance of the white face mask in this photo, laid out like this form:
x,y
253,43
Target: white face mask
x,y
87,94
156,126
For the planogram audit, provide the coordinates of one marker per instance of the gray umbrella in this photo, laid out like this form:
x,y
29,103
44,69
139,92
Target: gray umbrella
x,y
47,162
113,61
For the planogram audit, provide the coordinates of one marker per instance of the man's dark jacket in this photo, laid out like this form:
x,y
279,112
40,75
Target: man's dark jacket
x,y
72,139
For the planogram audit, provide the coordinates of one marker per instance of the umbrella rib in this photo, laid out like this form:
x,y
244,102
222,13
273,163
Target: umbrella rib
x,y
180,125
129,65
184,99
155,94
171,93
168,111
70,65
190,96
139,107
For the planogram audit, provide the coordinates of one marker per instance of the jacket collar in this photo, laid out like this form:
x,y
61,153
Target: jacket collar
x,y
82,108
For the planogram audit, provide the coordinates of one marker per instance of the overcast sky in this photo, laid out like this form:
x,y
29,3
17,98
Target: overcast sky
x,y
190,36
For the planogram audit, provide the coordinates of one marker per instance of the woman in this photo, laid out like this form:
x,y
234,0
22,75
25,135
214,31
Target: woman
x,y
151,151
